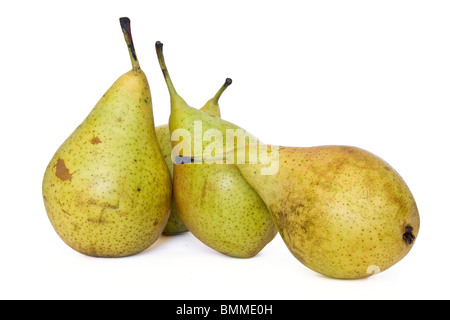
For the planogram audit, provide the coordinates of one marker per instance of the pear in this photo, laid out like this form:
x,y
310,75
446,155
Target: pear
x,y
214,201
107,190
175,225
342,211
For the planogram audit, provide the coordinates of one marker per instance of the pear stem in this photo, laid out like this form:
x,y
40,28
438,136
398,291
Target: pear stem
x,y
408,236
125,25
162,64
228,82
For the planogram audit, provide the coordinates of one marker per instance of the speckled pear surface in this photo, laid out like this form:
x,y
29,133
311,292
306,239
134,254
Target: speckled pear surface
x,y
214,201
107,189
341,211
175,225
222,210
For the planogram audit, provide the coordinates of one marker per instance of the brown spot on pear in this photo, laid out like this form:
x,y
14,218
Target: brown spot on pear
x,y
61,171
96,140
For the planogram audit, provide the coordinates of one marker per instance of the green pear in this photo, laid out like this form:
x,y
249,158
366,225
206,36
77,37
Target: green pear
x,y
213,200
107,190
341,211
175,225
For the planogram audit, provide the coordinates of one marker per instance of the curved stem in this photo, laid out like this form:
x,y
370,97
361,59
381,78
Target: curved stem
x,y
125,25
228,82
162,64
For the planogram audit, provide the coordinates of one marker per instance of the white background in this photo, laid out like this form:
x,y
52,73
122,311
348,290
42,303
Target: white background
x,y
372,74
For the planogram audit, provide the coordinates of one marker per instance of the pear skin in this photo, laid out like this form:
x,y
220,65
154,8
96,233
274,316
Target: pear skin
x,y
107,190
222,210
341,211
175,225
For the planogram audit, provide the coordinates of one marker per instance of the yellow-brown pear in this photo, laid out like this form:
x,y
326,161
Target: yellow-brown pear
x,y
341,211
107,189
